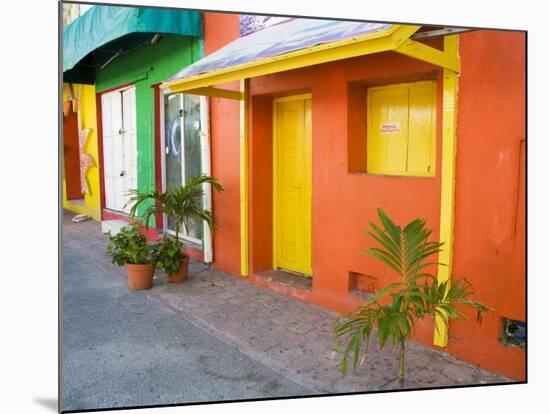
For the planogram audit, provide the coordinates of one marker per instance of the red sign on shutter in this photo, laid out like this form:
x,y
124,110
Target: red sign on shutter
x,y
390,128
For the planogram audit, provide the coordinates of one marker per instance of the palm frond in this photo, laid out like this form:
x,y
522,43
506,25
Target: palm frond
x,y
183,204
408,251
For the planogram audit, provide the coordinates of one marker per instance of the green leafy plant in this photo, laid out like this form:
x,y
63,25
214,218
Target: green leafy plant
x,y
395,309
128,246
183,204
167,255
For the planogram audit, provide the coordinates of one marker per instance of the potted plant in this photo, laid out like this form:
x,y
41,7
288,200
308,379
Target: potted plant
x,y
168,255
129,247
396,308
184,205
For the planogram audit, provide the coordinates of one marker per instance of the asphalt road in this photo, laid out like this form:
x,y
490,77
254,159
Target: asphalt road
x,y
122,349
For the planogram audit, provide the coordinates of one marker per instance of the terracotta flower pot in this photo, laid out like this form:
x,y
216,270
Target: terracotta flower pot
x,y
181,276
140,276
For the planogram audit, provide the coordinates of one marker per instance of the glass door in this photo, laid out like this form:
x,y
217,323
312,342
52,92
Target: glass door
x,y
182,150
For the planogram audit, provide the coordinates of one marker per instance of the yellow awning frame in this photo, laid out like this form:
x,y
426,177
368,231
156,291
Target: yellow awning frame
x,y
397,38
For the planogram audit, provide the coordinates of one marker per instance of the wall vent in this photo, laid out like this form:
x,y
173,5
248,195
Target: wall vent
x,y
362,285
513,333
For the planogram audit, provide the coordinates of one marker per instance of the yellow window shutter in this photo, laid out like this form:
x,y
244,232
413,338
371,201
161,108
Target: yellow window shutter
x,y
421,142
401,129
387,148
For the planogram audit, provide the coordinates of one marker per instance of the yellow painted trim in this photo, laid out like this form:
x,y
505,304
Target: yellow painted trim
x,y
448,162
292,98
429,54
400,85
244,176
210,91
275,180
309,180
382,41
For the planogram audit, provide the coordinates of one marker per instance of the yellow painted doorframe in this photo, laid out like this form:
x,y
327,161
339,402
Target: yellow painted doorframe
x,y
291,98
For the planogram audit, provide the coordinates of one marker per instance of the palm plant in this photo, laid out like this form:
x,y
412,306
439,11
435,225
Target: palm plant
x,y
183,204
416,295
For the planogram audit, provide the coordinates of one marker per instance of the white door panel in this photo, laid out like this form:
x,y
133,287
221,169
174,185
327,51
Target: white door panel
x,y
119,146
108,148
130,144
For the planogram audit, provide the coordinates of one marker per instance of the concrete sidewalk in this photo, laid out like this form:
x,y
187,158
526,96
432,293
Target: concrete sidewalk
x,y
284,334
122,349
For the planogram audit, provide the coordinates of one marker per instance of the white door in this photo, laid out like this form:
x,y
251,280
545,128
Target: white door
x,y
118,110
129,142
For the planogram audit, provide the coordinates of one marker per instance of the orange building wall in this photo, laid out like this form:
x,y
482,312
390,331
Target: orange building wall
x,y
489,236
220,29
490,192
343,202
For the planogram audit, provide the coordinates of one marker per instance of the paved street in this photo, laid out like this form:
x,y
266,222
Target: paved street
x,y
214,337
120,348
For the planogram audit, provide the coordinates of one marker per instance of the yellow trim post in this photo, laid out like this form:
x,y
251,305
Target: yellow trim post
x,y
244,176
384,40
448,155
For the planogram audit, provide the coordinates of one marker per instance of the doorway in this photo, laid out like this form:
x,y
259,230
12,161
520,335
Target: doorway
x,y
71,156
182,151
292,183
118,109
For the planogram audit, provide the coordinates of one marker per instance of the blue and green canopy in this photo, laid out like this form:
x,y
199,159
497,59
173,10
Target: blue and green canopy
x,y
107,31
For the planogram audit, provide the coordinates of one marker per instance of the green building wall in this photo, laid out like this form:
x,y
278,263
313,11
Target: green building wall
x,y
145,67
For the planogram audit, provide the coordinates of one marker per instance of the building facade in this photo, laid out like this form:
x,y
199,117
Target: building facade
x,y
309,141
81,188
118,56
325,144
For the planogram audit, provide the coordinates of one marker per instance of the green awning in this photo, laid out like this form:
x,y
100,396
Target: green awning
x,y
105,31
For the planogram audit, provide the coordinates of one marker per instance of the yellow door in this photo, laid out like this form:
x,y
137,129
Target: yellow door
x,y
292,184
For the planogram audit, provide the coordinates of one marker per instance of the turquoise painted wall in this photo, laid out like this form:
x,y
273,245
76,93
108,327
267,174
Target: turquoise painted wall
x,y
144,67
